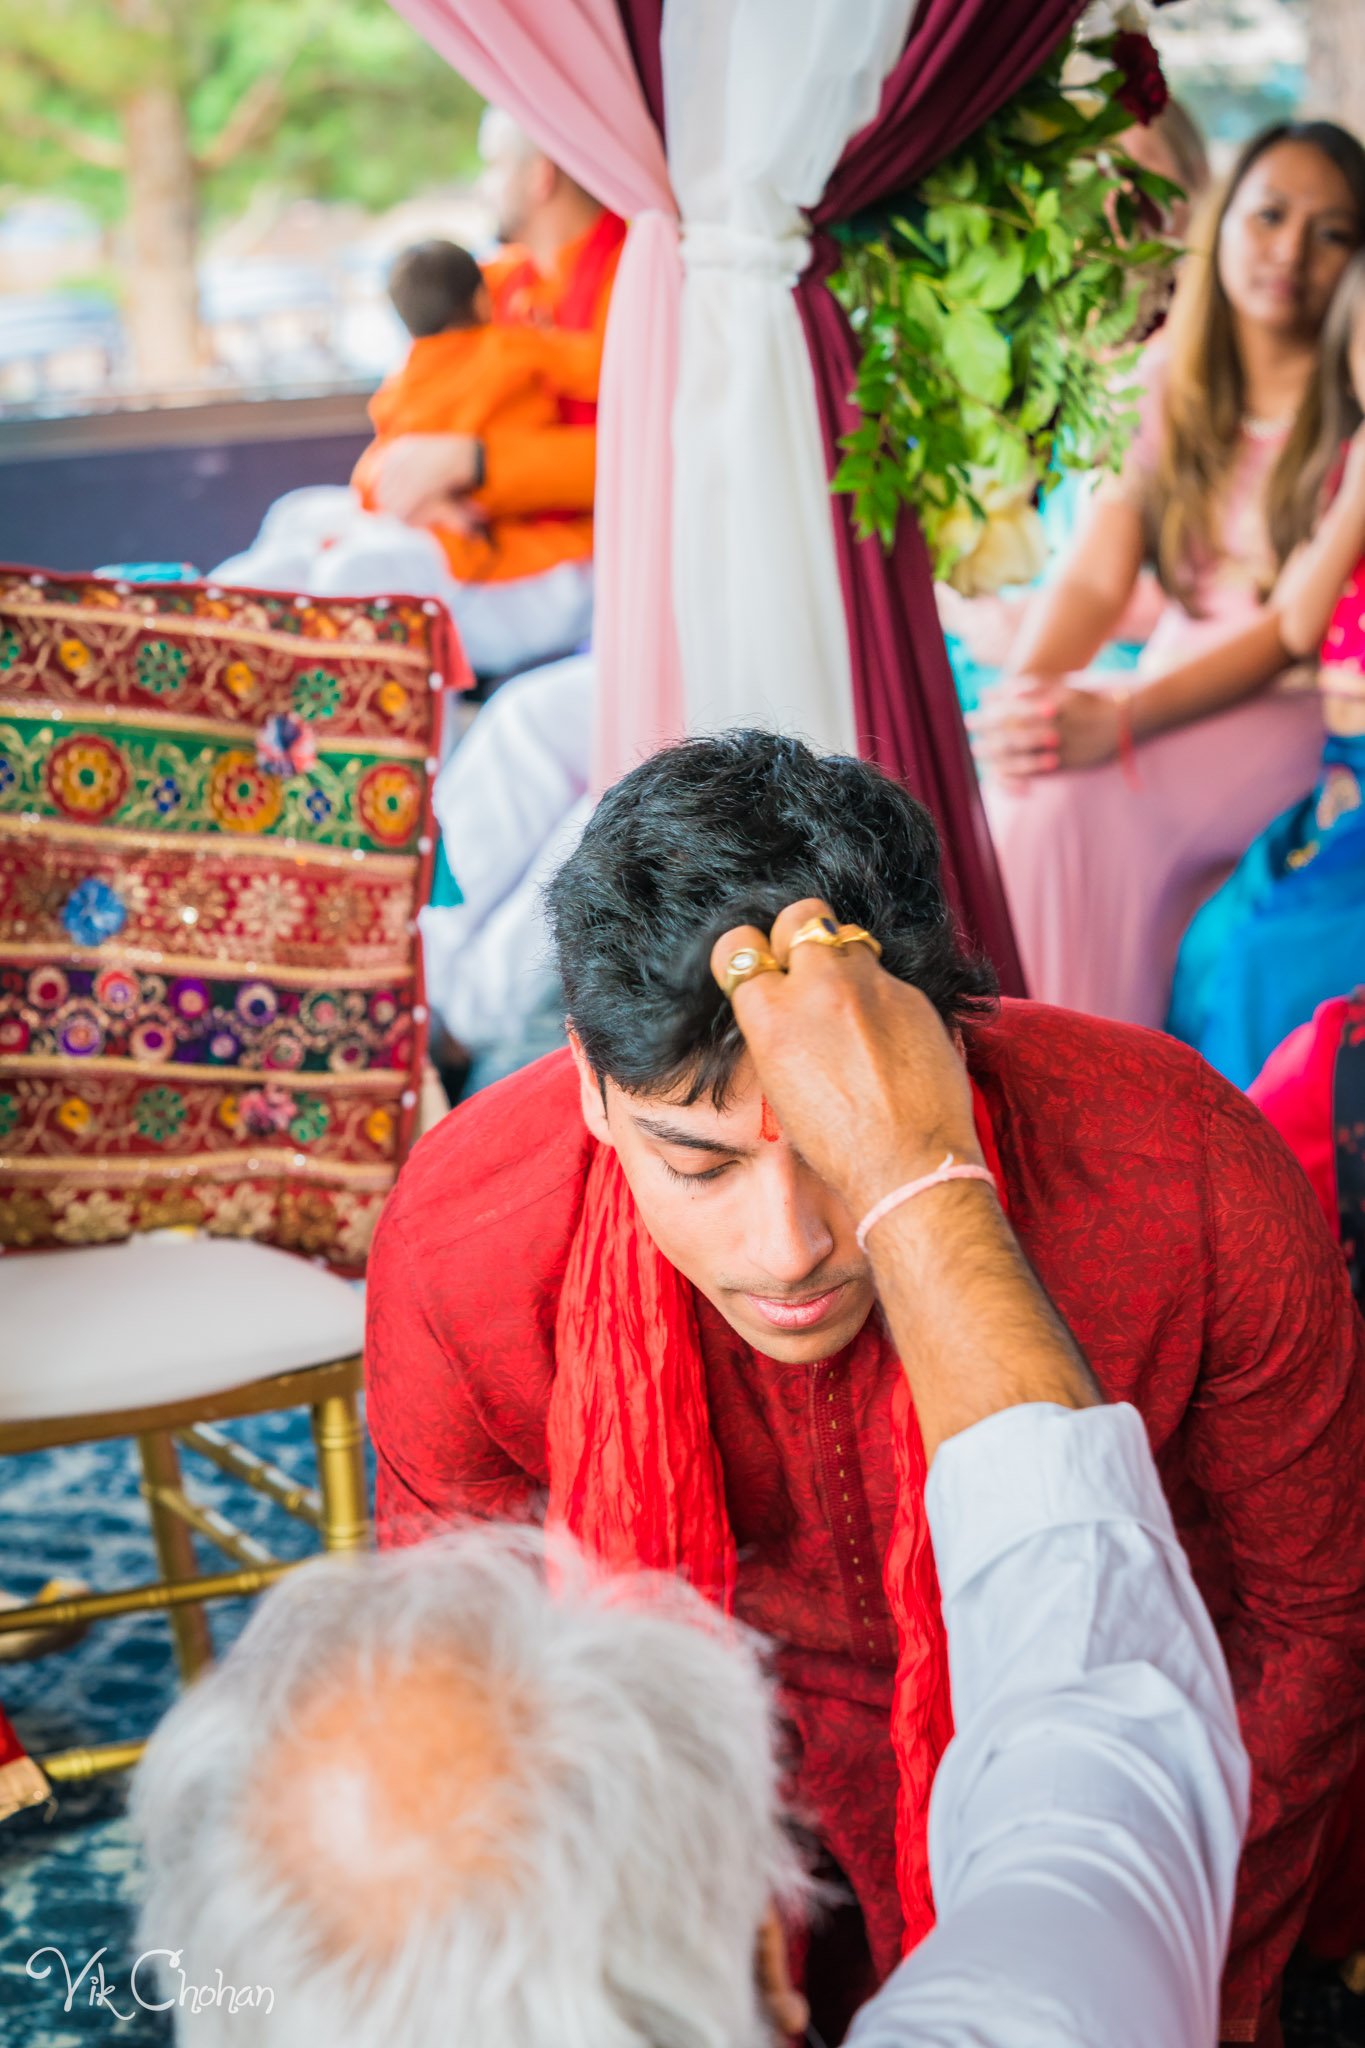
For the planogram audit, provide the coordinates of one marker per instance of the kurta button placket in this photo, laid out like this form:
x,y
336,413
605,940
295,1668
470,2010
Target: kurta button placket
x,y
872,1636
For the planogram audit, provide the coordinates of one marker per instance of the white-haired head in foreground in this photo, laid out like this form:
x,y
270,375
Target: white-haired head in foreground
x,y
435,1796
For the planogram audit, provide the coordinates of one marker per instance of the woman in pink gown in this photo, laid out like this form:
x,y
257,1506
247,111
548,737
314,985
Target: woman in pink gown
x,y
1115,810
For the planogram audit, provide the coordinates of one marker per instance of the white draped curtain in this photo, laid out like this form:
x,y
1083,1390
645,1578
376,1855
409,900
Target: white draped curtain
x,y
761,99
563,70
718,597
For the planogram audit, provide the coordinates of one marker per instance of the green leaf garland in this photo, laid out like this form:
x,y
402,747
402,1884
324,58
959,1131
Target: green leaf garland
x,y
992,304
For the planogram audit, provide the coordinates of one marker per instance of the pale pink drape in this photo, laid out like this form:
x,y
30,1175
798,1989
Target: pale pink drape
x,y
564,71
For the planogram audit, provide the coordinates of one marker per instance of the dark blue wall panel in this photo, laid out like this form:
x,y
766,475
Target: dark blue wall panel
x,y
166,504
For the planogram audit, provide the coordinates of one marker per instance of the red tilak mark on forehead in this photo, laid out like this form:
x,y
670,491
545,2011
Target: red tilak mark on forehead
x,y
767,1127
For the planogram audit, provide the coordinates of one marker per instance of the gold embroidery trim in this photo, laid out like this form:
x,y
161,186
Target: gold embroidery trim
x,y
197,967
234,1165
168,723
189,625
207,846
368,1080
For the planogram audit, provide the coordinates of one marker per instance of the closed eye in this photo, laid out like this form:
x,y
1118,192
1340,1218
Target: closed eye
x,y
711,1173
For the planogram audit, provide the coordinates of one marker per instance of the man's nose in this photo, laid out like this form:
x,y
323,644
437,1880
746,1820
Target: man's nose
x,y
789,1232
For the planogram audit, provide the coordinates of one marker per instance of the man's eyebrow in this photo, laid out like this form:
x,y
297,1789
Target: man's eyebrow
x,y
674,1134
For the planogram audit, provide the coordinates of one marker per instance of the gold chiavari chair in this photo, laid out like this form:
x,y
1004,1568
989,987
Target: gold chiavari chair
x,y
220,1329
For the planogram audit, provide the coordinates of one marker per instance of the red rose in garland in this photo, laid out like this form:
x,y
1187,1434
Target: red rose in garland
x,y
1144,92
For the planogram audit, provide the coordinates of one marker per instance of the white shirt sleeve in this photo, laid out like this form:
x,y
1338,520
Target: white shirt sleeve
x,y
1087,1819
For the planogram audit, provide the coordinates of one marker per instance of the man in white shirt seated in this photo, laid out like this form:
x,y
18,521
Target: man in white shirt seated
x,y
429,1798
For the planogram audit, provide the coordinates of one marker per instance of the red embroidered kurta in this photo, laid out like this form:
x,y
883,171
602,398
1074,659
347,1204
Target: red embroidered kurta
x,y
1186,1252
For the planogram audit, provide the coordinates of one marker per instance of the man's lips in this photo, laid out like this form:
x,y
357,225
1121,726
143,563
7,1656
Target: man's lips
x,y
797,1315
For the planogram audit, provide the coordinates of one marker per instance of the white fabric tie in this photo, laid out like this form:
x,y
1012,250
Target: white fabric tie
x,y
719,245
760,99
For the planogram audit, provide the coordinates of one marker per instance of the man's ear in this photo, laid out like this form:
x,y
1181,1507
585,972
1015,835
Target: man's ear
x,y
591,1094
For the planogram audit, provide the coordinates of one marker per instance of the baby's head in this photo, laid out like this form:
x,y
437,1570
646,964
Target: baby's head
x,y
438,285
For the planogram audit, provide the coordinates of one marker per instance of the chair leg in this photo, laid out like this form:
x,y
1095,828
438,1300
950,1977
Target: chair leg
x,y
175,1554
341,1473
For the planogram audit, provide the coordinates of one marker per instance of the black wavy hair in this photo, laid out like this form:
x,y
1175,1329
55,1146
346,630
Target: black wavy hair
x,y
724,831
434,286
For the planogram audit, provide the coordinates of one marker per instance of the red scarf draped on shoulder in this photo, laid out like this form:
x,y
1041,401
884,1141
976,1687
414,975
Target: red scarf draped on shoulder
x,y
635,1474
587,268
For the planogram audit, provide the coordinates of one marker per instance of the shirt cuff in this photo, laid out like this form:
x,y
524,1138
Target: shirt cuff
x,y
1034,1467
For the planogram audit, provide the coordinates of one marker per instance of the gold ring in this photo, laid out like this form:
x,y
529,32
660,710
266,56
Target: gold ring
x,y
823,931
854,935
745,964
816,931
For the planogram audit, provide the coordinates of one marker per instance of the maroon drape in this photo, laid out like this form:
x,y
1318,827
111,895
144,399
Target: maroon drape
x,y
642,21
962,60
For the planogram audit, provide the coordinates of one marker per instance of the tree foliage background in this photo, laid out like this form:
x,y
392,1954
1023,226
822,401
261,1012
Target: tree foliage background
x,y
168,114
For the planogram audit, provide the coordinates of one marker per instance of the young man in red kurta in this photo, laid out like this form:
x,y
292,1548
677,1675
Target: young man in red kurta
x,y
611,1280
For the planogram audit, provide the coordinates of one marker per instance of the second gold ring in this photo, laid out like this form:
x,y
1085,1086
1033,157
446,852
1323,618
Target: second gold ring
x,y
745,964
823,931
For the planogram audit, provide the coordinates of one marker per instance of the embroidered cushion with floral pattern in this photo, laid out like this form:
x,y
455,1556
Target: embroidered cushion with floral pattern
x,y
215,833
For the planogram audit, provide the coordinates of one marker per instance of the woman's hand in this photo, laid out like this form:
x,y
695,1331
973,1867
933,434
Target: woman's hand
x,y
1033,725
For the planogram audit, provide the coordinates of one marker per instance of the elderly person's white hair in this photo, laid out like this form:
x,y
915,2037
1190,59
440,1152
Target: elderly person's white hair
x,y
430,1798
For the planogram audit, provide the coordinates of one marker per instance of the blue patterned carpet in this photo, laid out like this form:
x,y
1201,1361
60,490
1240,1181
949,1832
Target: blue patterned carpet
x,y
70,1881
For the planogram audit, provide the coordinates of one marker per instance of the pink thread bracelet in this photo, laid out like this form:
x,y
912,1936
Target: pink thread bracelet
x,y
948,1171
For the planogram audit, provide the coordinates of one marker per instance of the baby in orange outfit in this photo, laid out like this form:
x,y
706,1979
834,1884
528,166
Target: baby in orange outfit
x,y
464,375
518,586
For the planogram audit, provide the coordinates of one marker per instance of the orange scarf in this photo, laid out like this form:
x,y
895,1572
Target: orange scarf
x,y
635,1474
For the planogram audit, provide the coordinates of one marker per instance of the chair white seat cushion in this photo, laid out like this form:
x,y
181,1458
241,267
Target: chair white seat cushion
x,y
162,1317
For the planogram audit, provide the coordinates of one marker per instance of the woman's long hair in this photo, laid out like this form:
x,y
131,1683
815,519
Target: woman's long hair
x,y
1339,412
1205,391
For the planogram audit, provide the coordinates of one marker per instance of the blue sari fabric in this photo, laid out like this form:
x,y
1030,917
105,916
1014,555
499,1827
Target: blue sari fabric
x,y
1285,932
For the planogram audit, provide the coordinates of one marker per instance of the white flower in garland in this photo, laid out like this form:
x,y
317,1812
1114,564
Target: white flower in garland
x,y
1104,18
1006,546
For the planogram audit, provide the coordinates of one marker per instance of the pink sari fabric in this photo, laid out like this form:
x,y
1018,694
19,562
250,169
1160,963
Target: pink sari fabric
x,y
566,73
1103,875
